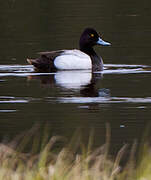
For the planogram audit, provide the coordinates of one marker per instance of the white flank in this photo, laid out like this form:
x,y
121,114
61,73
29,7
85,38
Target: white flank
x,y
73,59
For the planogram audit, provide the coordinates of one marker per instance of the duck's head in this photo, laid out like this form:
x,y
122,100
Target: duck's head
x,y
90,38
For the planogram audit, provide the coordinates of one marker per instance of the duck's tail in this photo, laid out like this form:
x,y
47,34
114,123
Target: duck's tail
x,y
41,64
31,61
35,63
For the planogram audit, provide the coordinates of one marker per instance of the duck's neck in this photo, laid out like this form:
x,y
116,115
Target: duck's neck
x,y
88,50
97,63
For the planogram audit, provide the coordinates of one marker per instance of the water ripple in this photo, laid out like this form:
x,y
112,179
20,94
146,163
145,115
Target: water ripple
x,y
16,68
11,99
103,100
7,110
26,70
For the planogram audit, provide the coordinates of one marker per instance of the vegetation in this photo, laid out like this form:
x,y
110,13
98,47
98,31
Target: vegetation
x,y
72,162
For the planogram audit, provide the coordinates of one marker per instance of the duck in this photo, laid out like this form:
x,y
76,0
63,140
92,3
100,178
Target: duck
x,y
83,58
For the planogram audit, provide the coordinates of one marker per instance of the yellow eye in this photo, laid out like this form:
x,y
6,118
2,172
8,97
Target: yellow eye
x,y
92,35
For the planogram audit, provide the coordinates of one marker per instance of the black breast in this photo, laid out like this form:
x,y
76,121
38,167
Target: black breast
x,y
97,63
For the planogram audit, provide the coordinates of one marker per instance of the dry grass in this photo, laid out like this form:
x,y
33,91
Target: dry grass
x,y
67,163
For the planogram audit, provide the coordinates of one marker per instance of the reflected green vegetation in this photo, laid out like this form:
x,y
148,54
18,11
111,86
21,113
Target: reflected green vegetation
x,y
73,160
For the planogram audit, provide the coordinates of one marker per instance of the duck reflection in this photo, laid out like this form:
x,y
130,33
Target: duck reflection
x,y
74,80
83,81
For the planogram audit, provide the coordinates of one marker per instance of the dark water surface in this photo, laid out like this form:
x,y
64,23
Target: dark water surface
x,y
120,96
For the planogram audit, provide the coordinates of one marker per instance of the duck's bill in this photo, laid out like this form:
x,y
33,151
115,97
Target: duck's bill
x,y
103,43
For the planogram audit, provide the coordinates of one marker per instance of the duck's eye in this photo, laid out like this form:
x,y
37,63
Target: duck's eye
x,y
92,35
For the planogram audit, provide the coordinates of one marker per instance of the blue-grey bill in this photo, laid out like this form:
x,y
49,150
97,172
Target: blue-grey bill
x,y
103,43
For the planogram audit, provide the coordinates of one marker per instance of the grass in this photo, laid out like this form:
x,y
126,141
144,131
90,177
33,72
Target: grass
x,y
73,161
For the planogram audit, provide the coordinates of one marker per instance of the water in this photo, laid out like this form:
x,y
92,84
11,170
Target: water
x,y
69,100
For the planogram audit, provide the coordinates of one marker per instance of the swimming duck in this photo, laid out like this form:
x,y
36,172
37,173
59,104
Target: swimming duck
x,y
84,58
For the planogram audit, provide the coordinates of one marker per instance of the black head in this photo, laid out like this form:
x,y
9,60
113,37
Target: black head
x,y
90,38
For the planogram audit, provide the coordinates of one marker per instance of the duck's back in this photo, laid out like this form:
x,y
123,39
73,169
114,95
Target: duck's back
x,y
73,59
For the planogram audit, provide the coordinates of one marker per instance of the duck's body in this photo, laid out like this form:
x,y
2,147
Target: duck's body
x,y
85,58
73,59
